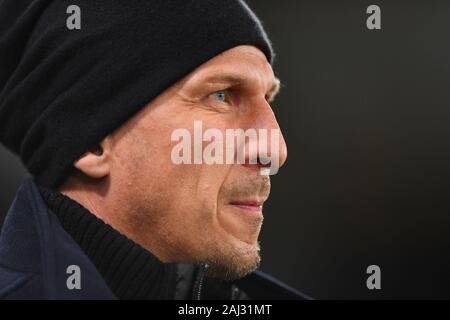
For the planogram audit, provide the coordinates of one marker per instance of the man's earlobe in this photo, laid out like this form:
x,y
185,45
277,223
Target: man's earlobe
x,y
94,163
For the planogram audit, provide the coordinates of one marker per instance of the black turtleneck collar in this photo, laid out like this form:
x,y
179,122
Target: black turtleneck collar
x,y
130,271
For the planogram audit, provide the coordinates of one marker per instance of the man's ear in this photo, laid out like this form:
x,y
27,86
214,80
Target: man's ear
x,y
96,162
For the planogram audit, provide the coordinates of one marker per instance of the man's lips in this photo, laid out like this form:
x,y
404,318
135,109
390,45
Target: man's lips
x,y
249,205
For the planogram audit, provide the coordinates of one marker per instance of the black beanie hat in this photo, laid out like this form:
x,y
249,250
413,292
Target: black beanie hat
x,y
62,91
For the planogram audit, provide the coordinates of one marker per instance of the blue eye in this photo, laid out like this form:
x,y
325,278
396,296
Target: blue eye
x,y
219,95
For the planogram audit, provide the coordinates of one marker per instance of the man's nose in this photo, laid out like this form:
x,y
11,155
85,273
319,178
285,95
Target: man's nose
x,y
271,146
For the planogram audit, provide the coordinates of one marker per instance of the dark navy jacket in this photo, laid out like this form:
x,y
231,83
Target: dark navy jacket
x,y
35,251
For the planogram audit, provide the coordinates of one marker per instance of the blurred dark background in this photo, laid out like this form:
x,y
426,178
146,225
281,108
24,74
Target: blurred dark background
x,y
366,118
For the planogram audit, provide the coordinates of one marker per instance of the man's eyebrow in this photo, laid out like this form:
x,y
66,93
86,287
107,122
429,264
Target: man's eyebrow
x,y
227,78
238,79
274,90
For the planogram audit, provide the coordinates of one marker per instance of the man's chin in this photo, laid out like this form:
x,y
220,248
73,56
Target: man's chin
x,y
235,263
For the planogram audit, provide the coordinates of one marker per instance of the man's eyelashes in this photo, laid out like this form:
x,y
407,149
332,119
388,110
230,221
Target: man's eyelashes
x,y
219,95
222,96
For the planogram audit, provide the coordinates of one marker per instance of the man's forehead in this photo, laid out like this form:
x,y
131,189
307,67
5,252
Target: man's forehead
x,y
236,65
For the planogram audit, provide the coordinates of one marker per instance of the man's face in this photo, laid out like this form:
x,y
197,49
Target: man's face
x,y
198,212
